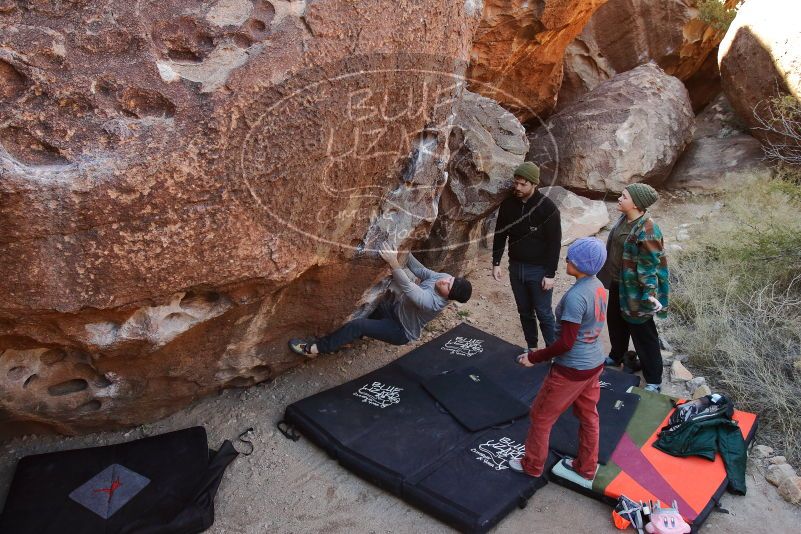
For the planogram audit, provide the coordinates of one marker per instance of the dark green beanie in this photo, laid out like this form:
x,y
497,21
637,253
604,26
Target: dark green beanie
x,y
643,195
528,171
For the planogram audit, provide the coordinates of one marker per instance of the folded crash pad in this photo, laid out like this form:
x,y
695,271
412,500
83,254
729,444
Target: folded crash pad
x,y
474,399
161,484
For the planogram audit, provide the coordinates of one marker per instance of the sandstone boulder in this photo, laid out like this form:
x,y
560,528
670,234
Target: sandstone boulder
x,y
518,51
580,216
695,383
790,490
701,391
761,451
778,473
631,128
623,34
679,373
486,144
186,185
760,56
721,156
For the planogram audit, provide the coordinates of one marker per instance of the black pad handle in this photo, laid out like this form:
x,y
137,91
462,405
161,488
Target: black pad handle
x,y
247,441
287,430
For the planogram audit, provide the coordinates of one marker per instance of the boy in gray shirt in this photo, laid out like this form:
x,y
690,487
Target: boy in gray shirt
x,y
578,360
399,320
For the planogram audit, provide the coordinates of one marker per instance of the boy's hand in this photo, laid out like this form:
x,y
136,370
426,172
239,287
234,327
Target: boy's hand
x,y
524,361
496,273
657,305
547,284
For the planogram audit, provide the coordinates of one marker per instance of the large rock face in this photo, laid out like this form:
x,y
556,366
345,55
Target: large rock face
x,y
486,144
631,128
623,34
721,156
760,57
185,185
518,51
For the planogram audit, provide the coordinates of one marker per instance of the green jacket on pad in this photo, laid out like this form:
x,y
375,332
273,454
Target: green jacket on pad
x,y
702,428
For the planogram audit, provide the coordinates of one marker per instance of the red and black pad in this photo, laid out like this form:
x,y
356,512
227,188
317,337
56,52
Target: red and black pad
x,y
386,428
161,484
474,399
642,472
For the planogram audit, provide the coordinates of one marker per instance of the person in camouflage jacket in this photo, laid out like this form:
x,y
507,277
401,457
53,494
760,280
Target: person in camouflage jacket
x,y
636,274
644,273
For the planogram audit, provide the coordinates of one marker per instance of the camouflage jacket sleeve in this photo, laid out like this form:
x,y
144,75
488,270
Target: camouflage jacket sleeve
x,y
650,254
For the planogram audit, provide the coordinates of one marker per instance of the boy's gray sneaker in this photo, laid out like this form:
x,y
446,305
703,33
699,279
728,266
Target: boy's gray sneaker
x,y
516,466
653,388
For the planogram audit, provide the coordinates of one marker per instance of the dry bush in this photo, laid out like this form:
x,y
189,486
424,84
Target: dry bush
x,y
780,118
737,307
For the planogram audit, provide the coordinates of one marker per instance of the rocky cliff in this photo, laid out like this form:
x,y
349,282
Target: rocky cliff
x,y
185,185
518,51
625,33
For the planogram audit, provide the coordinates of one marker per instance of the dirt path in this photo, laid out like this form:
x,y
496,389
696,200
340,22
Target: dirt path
x,y
287,486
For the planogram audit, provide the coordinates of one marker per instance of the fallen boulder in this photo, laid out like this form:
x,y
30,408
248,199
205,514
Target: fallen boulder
x,y
778,473
760,57
623,34
790,490
721,157
631,128
679,373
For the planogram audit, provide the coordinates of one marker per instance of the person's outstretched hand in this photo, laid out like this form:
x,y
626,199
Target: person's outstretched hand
x,y
389,255
524,361
496,272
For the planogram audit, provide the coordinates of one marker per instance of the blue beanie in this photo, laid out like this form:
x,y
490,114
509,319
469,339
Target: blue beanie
x,y
588,254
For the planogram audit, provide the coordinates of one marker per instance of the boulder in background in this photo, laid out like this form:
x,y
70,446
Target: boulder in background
x,y
631,128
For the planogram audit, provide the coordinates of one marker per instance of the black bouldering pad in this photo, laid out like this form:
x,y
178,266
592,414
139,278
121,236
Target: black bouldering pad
x,y
474,399
473,488
388,429
161,484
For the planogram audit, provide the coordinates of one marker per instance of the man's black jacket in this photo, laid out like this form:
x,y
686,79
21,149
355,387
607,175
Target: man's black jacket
x,y
533,229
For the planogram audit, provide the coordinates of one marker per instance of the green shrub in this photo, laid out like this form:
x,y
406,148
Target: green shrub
x,y
714,13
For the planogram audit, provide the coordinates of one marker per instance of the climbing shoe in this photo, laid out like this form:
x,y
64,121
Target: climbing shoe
x,y
302,347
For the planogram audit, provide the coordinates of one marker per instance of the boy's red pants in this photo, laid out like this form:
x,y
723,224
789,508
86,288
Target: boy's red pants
x,y
556,396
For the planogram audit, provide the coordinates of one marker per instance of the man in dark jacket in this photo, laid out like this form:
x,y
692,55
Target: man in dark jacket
x,y
530,222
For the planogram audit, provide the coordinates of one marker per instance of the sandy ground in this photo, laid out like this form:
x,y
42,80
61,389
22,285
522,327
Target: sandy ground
x,y
294,487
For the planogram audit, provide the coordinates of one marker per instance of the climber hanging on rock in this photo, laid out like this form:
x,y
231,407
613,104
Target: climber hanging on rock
x,y
398,320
